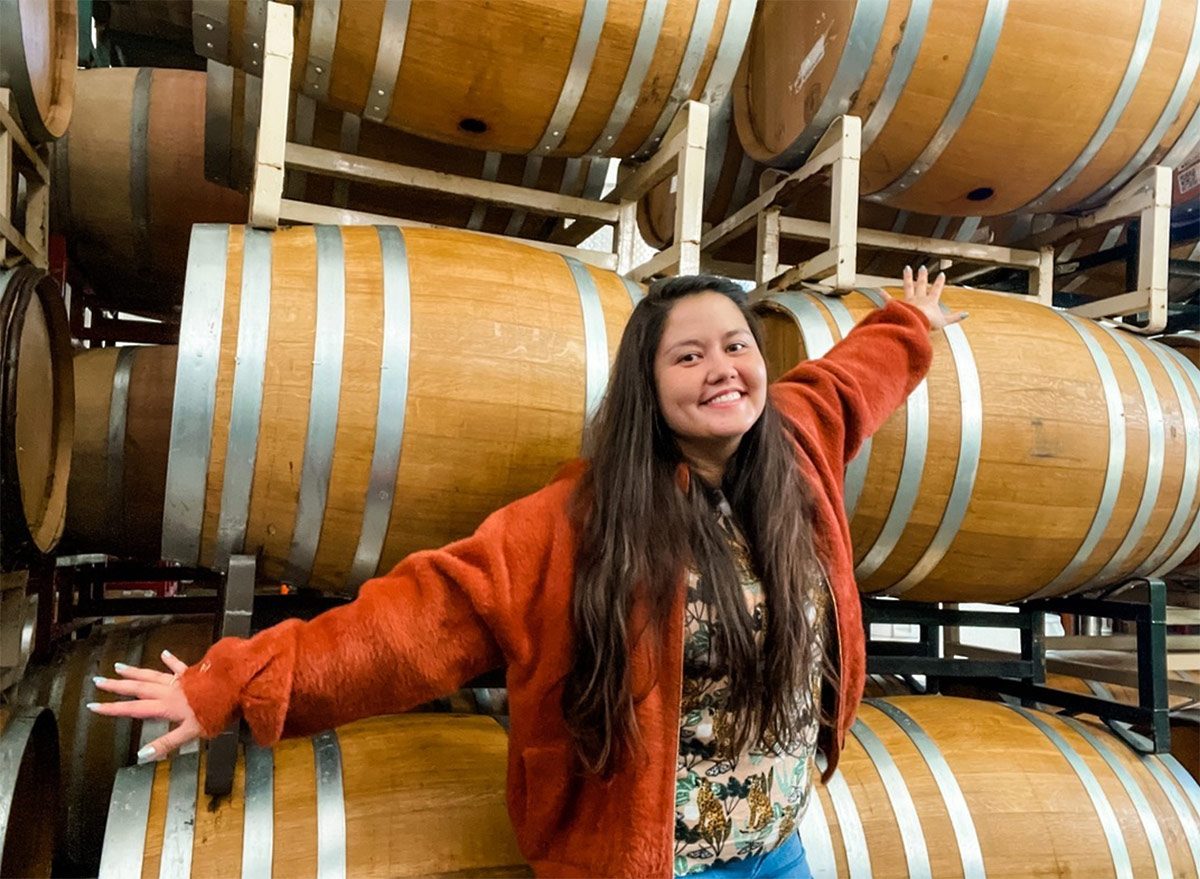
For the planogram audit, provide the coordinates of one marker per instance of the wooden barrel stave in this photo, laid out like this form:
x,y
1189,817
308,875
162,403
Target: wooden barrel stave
x,y
29,791
39,42
35,455
122,430
392,775
938,135
575,100
1021,490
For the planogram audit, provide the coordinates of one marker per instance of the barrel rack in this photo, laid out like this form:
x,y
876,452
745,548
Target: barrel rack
x,y
837,155
936,654
681,152
22,237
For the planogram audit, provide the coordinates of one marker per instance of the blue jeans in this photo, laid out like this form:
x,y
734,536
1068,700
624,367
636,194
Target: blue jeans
x,y
789,861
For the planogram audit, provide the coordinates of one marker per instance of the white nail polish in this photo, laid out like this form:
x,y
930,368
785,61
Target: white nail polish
x,y
146,753
92,706
120,666
97,680
167,653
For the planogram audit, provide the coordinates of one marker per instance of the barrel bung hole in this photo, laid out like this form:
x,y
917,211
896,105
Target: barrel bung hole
x,y
473,126
983,193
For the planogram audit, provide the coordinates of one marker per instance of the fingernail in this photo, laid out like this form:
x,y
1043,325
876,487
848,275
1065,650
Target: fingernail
x,y
908,268
146,753
120,666
168,654
966,314
98,680
92,706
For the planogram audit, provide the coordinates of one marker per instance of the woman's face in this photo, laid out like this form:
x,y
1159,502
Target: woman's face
x,y
710,375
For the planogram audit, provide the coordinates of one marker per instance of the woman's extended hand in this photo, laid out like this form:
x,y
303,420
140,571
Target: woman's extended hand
x,y
156,695
927,298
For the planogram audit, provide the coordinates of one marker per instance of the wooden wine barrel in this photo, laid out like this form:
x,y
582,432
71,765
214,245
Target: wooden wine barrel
x,y
29,791
122,433
37,414
129,184
1042,454
980,108
233,101
431,786
93,748
477,358
943,787
39,42
523,76
1187,344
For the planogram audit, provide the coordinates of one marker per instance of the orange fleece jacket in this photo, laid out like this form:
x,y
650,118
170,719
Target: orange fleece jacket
x,y
501,597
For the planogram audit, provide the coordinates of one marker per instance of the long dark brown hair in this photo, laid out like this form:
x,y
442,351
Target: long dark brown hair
x,y
639,532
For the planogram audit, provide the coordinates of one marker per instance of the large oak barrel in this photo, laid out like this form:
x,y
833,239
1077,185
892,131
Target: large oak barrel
x,y
354,394
129,183
39,41
523,76
93,748
122,433
943,787
37,414
233,102
29,791
977,108
1042,454
409,795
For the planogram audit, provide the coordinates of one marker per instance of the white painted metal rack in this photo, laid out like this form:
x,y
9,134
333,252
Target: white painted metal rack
x,y
837,155
682,152
22,238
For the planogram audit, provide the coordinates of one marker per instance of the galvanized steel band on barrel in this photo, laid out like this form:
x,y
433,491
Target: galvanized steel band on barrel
x,y
902,67
1192,537
586,43
854,840
1154,459
964,98
1115,408
1154,837
393,404
1191,829
195,393
258,830
970,445
218,123
1104,811
595,339
916,855
961,820
180,824
322,38
635,75
317,463
390,52
331,806
254,312
1133,72
685,77
139,178
128,816
1191,467
118,413
1187,78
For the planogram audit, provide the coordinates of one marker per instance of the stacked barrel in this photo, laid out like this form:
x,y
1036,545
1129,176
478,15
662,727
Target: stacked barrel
x,y
343,395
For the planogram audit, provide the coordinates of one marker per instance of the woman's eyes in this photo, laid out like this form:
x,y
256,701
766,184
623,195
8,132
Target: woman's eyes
x,y
737,346
693,356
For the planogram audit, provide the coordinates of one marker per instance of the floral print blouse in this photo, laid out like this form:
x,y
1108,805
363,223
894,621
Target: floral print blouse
x,y
734,806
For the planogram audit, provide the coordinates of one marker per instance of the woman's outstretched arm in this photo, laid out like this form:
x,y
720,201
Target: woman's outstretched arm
x,y
438,619
838,400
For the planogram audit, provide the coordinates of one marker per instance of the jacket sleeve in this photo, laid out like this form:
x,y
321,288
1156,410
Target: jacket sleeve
x,y
438,619
835,402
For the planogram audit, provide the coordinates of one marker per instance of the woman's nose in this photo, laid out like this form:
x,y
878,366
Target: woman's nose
x,y
721,367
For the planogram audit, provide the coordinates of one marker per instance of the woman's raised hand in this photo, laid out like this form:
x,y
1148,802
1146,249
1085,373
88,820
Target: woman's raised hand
x,y
927,297
156,695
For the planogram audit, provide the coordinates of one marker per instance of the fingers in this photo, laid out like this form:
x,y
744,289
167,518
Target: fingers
x,y
140,709
148,675
175,665
164,745
140,689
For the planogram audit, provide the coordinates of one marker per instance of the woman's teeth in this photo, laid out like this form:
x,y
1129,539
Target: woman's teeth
x,y
725,398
